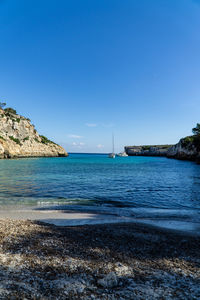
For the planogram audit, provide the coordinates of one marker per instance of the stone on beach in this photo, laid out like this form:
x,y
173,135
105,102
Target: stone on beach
x,y
109,281
110,261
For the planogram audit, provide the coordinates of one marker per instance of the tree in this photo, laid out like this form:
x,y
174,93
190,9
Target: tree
x,y
196,130
10,110
2,104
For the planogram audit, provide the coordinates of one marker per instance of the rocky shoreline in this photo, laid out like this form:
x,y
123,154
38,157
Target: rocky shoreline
x,y
147,150
110,261
187,148
183,150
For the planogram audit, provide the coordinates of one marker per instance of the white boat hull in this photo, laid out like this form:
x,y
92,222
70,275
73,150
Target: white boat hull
x,y
122,154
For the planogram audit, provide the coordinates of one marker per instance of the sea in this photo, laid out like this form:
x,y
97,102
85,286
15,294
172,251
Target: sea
x,y
142,188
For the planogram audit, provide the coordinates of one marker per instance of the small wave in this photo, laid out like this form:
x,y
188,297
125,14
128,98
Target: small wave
x,y
189,215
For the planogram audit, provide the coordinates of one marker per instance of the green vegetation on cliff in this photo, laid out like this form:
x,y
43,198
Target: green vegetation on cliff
x,y
19,138
10,111
147,147
45,140
196,130
193,140
17,141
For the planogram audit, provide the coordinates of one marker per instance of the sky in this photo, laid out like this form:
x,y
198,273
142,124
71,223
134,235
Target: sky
x,y
84,70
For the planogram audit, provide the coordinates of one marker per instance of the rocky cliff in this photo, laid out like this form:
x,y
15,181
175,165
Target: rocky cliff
x,y
19,138
157,150
187,148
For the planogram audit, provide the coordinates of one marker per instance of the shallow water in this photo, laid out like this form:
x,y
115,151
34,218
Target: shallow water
x,y
139,187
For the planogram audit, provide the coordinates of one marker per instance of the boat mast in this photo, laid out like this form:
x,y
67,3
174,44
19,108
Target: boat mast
x,y
113,150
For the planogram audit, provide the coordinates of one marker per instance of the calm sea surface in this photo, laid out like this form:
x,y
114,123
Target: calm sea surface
x,y
127,186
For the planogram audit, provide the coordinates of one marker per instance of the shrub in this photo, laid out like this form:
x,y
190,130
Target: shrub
x,y
187,140
190,141
194,140
10,110
166,146
146,147
17,141
26,138
196,130
45,140
2,104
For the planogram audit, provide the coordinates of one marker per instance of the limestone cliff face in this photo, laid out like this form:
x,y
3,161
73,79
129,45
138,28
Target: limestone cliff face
x,y
159,150
185,149
18,138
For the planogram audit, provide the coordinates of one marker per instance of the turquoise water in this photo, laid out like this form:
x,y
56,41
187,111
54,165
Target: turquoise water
x,y
129,186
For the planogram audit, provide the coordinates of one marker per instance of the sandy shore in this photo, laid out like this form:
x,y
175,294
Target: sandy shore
x,y
58,216
108,261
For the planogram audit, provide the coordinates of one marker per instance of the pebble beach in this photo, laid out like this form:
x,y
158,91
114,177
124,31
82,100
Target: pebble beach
x,y
107,261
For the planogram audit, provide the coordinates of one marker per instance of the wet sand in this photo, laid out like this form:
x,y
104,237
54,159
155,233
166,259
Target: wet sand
x,y
59,217
62,217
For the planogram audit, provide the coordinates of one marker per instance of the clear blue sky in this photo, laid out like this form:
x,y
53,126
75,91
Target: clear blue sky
x,y
81,70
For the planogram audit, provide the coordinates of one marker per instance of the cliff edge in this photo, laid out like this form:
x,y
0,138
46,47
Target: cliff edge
x,y
19,138
156,150
187,148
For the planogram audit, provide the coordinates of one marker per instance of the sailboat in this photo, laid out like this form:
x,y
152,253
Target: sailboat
x,y
112,155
